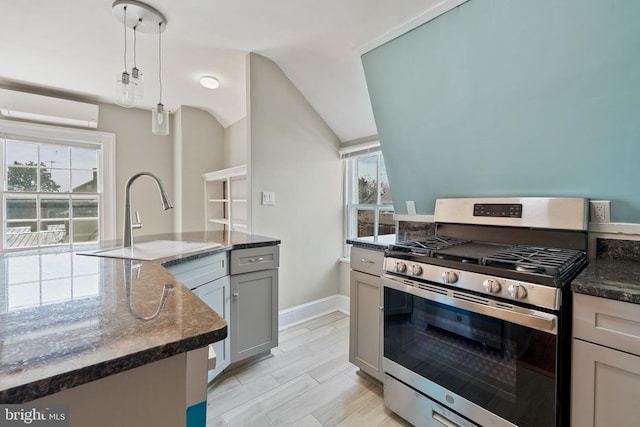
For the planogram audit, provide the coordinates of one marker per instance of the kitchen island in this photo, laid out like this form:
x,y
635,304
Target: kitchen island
x,y
113,338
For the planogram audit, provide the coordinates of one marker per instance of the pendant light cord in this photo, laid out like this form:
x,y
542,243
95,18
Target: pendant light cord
x,y
124,26
160,59
135,42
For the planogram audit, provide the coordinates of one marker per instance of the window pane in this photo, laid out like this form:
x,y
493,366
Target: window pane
x,y
85,208
385,188
386,224
54,156
54,180
21,178
21,207
22,234
84,181
83,158
23,269
53,232
54,207
86,231
365,222
21,153
367,185
85,286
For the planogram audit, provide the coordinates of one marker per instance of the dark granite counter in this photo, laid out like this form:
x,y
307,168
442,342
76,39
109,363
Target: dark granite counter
x,y
612,279
67,319
615,273
380,245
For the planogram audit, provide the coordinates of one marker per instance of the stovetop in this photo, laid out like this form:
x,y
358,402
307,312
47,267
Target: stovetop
x,y
547,265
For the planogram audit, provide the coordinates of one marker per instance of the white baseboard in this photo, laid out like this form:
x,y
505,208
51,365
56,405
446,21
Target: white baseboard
x,y
301,313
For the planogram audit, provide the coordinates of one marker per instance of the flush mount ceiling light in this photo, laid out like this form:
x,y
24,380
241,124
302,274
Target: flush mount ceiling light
x,y
143,18
209,82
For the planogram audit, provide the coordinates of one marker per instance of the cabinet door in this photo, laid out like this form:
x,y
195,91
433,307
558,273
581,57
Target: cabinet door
x,y
216,296
605,387
365,338
254,313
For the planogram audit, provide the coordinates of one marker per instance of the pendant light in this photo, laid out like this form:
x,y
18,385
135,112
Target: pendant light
x,y
160,116
125,92
140,17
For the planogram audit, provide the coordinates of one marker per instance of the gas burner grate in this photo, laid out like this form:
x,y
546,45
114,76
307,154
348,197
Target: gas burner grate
x,y
533,259
426,247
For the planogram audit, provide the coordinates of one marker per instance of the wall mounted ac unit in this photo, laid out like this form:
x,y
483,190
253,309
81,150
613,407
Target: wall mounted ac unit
x,y
47,109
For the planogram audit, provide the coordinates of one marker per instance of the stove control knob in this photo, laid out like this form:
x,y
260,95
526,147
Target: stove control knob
x,y
401,267
491,286
416,270
517,291
449,277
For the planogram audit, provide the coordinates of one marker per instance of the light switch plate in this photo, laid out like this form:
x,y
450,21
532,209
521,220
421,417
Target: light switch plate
x,y
268,198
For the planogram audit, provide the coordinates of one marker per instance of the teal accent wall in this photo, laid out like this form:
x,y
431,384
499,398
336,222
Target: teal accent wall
x,y
513,98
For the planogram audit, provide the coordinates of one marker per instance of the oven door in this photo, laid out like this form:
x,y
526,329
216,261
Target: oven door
x,y
493,363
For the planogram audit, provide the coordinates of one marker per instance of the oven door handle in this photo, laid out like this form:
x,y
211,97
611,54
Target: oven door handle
x,y
442,419
477,304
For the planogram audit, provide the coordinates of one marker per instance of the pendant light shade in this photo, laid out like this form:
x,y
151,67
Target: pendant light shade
x,y
125,91
160,120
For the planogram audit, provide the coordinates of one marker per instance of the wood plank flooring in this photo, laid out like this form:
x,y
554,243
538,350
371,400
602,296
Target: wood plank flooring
x,y
308,382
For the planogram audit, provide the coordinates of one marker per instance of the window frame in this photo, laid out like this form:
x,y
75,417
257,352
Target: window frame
x,y
350,157
103,142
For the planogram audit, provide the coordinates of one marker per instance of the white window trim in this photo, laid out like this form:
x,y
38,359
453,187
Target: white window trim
x,y
107,161
351,152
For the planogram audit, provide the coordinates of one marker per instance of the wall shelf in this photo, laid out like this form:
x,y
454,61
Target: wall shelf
x,y
226,202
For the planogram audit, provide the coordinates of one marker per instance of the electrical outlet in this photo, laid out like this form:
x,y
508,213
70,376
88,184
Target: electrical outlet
x,y
411,207
600,211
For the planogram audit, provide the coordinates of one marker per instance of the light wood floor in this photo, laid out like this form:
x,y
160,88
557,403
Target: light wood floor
x,y
308,382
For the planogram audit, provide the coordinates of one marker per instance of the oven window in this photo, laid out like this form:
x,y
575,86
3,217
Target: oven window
x,y
505,368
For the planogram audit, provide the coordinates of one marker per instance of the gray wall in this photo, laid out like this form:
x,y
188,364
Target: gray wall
x,y
198,148
295,154
137,150
513,97
235,144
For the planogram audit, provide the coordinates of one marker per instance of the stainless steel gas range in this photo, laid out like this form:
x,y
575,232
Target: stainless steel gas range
x,y
477,318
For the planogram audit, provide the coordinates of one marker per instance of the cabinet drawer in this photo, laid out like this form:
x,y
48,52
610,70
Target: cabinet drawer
x,y
615,324
202,270
254,259
367,260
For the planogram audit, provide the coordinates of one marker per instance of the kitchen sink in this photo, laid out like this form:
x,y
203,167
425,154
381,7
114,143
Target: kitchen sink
x,y
153,250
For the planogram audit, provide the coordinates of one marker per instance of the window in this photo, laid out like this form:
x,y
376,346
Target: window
x,y
55,189
369,210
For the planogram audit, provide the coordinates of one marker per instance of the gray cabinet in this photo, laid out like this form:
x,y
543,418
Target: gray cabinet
x,y
366,315
216,295
254,301
208,278
605,387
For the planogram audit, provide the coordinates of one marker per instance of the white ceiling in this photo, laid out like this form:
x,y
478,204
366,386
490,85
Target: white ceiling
x,y
76,47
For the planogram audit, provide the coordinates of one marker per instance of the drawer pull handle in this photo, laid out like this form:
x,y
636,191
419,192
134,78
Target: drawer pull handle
x,y
370,261
235,295
256,259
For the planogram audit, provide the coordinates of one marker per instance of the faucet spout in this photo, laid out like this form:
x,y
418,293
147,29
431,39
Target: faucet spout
x,y
127,240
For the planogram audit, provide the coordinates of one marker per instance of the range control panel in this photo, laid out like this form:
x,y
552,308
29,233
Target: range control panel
x,y
498,210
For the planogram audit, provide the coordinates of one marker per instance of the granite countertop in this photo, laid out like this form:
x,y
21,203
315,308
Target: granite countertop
x,y
610,278
381,244
67,319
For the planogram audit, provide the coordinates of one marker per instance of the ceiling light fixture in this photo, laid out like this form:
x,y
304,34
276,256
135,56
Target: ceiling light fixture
x,y
209,82
160,116
140,17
